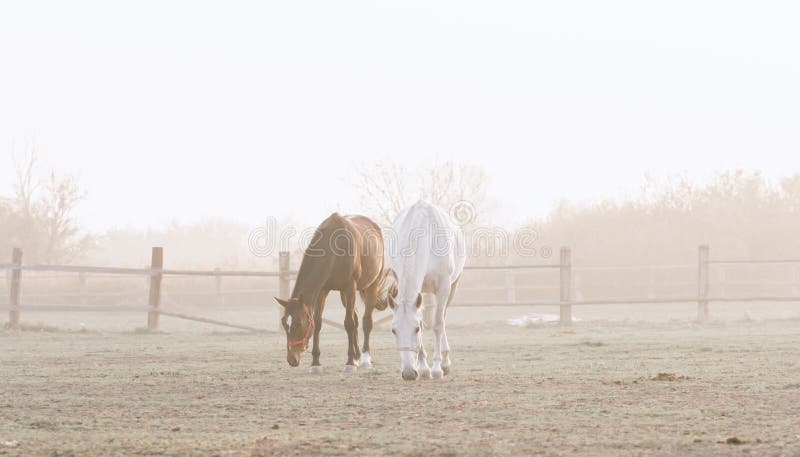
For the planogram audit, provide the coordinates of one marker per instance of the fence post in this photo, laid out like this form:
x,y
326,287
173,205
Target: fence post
x,y
156,275
566,286
702,283
284,280
14,289
284,275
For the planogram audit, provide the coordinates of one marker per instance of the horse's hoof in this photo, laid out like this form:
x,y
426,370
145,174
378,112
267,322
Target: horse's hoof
x,y
366,360
425,373
436,374
349,369
366,364
315,369
446,370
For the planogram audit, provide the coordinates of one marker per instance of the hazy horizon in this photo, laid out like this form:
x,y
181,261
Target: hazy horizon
x,y
178,112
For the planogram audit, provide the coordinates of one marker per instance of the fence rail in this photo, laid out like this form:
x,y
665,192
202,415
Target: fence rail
x,y
156,273
81,269
221,274
754,262
513,267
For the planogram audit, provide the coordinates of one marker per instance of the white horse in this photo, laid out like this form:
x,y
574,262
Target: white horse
x,y
427,255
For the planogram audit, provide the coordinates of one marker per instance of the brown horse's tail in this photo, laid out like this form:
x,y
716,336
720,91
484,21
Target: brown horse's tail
x,y
387,290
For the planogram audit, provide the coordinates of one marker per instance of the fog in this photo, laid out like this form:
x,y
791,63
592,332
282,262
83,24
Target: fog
x,y
631,133
181,112
626,176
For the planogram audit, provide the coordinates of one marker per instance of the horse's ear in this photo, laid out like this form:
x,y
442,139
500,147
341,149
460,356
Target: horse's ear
x,y
419,300
283,303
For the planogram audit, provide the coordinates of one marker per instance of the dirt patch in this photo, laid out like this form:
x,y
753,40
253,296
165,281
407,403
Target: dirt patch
x,y
668,377
593,344
734,440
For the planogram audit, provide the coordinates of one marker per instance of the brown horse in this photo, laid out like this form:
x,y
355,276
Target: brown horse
x,y
345,254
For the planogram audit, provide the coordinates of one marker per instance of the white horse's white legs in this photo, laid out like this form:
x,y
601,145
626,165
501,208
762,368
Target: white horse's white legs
x,y
438,330
422,364
445,350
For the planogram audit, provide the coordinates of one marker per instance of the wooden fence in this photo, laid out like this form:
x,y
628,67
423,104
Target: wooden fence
x,y
156,274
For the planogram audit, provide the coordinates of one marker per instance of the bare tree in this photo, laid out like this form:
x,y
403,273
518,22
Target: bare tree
x,y
64,241
459,188
25,187
386,187
41,215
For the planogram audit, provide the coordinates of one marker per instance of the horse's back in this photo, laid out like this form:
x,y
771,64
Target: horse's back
x,y
370,249
345,248
427,255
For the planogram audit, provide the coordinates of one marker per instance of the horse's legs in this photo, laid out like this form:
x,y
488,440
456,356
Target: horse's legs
x,y
366,358
351,326
422,363
370,297
356,348
438,328
445,344
319,306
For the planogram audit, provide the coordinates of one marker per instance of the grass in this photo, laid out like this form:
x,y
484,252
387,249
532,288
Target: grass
x,y
595,389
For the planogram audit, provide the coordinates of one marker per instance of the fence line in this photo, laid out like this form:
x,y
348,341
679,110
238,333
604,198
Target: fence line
x,y
221,273
155,293
630,301
763,261
512,267
82,269
206,320
79,308
85,294
633,267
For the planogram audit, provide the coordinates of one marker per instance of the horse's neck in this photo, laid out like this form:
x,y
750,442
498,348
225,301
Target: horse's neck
x,y
413,268
410,262
312,276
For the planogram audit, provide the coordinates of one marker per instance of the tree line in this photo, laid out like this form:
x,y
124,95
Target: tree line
x,y
741,214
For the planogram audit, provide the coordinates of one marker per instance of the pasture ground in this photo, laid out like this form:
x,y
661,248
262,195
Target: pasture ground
x,y
594,389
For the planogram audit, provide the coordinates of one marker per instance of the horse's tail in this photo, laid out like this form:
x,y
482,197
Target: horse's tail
x,y
387,290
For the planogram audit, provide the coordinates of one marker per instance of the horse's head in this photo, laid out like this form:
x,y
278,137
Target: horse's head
x,y
407,326
298,322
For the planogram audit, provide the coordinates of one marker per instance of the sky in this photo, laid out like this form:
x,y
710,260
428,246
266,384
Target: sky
x,y
178,110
